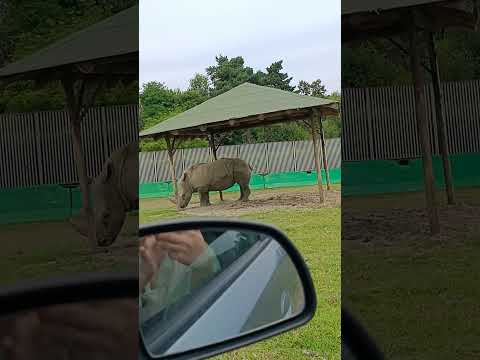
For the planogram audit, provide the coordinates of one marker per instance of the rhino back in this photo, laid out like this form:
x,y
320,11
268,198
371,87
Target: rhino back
x,y
211,176
125,161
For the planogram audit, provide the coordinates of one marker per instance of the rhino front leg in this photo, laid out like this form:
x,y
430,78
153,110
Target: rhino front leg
x,y
204,199
244,192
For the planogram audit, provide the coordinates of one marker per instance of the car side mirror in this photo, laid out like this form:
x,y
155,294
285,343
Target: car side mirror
x,y
219,285
75,316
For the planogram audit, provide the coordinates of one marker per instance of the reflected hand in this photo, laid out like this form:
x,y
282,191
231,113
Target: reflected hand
x,y
152,255
97,330
16,334
183,246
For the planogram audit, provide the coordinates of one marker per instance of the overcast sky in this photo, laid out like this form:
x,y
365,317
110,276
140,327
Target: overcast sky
x,y
182,37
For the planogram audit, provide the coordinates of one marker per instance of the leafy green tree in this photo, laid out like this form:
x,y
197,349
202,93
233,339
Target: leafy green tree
x,y
316,88
274,77
200,84
228,73
303,88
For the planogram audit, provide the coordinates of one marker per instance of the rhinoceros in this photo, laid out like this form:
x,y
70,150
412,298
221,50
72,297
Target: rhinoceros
x,y
114,193
214,176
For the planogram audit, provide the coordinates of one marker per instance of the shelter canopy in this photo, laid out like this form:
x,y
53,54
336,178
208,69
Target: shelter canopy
x,y
244,106
383,18
110,46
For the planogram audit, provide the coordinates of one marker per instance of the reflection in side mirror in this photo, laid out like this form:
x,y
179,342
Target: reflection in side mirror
x,y
84,316
210,283
91,329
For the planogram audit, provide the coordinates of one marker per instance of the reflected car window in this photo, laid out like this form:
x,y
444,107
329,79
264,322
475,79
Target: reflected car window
x,y
175,284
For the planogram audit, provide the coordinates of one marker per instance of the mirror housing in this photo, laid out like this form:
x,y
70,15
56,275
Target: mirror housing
x,y
67,290
261,333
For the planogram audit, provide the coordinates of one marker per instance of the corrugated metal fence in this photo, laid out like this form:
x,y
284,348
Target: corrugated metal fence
x,y
265,158
379,123
36,148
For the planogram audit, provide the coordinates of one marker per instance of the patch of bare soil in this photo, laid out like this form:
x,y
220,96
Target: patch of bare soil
x,y
409,226
266,201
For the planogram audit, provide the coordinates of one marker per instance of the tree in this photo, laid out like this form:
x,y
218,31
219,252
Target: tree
x,y
228,73
304,88
274,77
200,83
316,88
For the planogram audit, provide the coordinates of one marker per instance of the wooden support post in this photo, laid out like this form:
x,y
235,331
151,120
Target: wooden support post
x,y
441,126
316,156
213,147
171,159
416,51
74,100
324,154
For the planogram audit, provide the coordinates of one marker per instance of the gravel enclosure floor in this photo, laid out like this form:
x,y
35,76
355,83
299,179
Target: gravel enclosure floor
x,y
267,201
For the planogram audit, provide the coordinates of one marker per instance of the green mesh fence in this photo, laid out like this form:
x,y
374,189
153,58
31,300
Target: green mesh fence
x,y
389,176
270,181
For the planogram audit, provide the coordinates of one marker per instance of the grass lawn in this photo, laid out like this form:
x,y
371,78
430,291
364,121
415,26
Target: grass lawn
x,y
316,233
417,299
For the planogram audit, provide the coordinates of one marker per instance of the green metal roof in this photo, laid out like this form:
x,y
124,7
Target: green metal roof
x,y
114,36
242,101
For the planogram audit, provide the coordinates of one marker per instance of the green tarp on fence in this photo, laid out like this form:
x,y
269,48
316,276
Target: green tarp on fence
x,y
271,181
389,176
56,202
41,203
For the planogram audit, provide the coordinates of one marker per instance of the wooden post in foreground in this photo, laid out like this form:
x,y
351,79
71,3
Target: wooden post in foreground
x,y
213,147
171,153
74,97
416,51
441,126
316,155
324,153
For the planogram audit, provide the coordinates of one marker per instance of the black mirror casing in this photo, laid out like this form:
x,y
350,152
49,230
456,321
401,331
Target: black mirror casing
x,y
68,289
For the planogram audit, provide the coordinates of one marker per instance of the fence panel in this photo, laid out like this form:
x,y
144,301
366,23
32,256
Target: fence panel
x,y
265,158
255,155
389,113
228,151
147,166
18,153
280,157
334,153
195,156
36,148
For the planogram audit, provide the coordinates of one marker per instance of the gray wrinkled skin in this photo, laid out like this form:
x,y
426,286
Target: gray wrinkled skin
x,y
114,192
215,176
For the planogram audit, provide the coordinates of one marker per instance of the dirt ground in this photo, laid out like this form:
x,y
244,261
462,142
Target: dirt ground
x,y
44,249
404,221
267,200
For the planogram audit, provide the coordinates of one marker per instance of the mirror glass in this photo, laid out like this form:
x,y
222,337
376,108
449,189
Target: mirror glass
x,y
84,330
205,286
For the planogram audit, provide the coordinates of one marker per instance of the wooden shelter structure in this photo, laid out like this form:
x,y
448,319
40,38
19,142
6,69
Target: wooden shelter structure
x,y
85,63
418,21
246,106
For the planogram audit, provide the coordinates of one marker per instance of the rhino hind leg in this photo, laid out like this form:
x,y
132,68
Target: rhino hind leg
x,y
204,199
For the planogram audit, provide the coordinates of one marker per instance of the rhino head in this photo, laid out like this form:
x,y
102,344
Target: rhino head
x,y
109,210
185,191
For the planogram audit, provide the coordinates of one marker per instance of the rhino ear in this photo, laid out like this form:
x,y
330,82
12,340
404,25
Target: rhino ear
x,y
107,171
184,177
